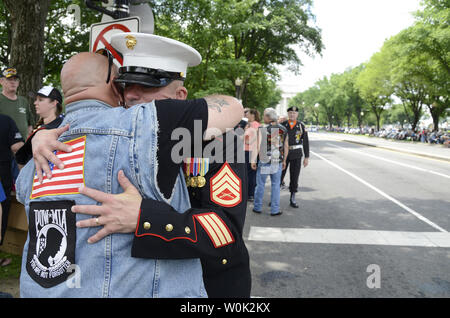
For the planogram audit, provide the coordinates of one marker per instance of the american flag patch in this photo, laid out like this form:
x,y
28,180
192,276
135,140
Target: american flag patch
x,y
217,230
68,180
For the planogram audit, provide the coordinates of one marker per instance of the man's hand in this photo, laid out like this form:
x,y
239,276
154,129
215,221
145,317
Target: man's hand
x,y
284,165
118,213
254,166
305,162
44,142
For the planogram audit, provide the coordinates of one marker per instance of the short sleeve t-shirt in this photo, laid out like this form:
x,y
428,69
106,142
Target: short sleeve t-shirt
x,y
174,114
19,111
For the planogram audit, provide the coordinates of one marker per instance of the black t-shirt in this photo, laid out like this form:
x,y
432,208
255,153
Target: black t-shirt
x,y
9,135
174,114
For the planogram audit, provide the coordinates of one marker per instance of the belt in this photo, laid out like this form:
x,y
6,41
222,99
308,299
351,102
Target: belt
x,y
295,147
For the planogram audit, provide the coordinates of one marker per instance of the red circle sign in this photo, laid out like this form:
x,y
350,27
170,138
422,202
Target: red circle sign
x,y
101,38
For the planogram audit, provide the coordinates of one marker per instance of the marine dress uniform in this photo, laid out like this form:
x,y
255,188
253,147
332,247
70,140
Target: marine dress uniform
x,y
298,143
214,174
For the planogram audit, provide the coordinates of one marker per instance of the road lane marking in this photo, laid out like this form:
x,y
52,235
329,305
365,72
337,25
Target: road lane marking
x,y
387,196
352,237
392,161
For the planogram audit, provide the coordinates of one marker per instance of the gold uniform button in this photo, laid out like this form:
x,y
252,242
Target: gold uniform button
x,y
147,225
187,230
224,261
169,227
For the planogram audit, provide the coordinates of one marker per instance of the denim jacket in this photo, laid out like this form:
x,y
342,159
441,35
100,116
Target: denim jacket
x,y
57,260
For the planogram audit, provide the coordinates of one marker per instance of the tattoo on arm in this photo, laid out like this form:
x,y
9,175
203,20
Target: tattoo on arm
x,y
216,103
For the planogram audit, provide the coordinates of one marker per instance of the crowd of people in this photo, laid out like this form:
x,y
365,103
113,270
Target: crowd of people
x,y
272,147
16,124
424,135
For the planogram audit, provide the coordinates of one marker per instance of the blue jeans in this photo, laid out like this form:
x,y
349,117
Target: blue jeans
x,y
274,171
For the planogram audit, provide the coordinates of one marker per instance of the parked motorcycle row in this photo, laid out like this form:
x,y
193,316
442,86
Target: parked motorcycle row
x,y
441,137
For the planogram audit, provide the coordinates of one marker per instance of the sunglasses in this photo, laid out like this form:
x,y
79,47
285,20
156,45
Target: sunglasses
x,y
110,57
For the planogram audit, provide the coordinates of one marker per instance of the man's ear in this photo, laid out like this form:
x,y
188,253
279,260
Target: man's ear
x,y
181,93
118,93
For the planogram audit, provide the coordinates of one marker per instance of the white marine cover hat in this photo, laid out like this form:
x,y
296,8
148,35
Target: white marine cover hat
x,y
153,60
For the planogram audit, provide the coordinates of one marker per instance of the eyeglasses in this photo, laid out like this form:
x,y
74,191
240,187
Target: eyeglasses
x,y
110,57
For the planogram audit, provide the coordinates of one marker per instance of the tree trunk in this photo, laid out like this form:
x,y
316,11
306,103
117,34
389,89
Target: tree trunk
x,y
360,120
377,111
28,18
436,113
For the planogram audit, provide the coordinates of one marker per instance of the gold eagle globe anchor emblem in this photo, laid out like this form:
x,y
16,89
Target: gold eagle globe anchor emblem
x,y
131,42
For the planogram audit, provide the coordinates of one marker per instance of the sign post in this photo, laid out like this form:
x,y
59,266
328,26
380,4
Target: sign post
x,y
101,34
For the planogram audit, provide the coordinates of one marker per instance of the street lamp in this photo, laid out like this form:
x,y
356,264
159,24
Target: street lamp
x,y
238,84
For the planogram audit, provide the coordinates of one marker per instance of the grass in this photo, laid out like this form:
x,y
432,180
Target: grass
x,y
13,269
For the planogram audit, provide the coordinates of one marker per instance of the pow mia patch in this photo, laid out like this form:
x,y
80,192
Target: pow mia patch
x,y
51,249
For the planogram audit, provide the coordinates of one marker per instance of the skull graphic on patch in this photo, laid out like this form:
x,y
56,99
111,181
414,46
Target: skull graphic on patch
x,y
51,249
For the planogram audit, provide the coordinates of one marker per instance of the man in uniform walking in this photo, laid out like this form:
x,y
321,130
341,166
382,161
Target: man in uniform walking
x,y
298,140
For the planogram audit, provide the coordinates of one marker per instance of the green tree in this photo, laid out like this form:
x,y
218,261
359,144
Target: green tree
x,y
326,100
396,115
374,84
355,102
429,38
244,39
406,76
307,101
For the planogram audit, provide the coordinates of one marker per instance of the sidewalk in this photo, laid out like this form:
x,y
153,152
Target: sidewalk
x,y
433,151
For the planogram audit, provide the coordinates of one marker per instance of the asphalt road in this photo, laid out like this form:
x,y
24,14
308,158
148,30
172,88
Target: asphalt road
x,y
372,223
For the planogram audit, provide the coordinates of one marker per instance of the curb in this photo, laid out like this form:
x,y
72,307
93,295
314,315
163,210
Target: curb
x,y
398,150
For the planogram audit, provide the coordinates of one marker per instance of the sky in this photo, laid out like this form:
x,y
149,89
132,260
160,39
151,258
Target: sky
x,y
352,31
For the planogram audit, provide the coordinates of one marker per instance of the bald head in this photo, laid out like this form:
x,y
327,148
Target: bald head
x,y
84,76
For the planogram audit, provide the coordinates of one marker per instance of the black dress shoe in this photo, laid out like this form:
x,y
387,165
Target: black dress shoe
x,y
258,212
250,199
293,203
278,213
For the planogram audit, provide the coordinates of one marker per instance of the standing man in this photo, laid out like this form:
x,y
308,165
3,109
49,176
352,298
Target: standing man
x,y
273,149
212,229
15,106
298,140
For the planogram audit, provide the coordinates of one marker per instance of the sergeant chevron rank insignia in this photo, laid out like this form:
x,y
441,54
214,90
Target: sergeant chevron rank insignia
x,y
226,187
216,229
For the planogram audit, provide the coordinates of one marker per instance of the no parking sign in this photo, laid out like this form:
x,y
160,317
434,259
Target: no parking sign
x,y
101,34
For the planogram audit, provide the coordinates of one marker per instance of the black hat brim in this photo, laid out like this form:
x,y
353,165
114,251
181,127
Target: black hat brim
x,y
54,96
141,79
